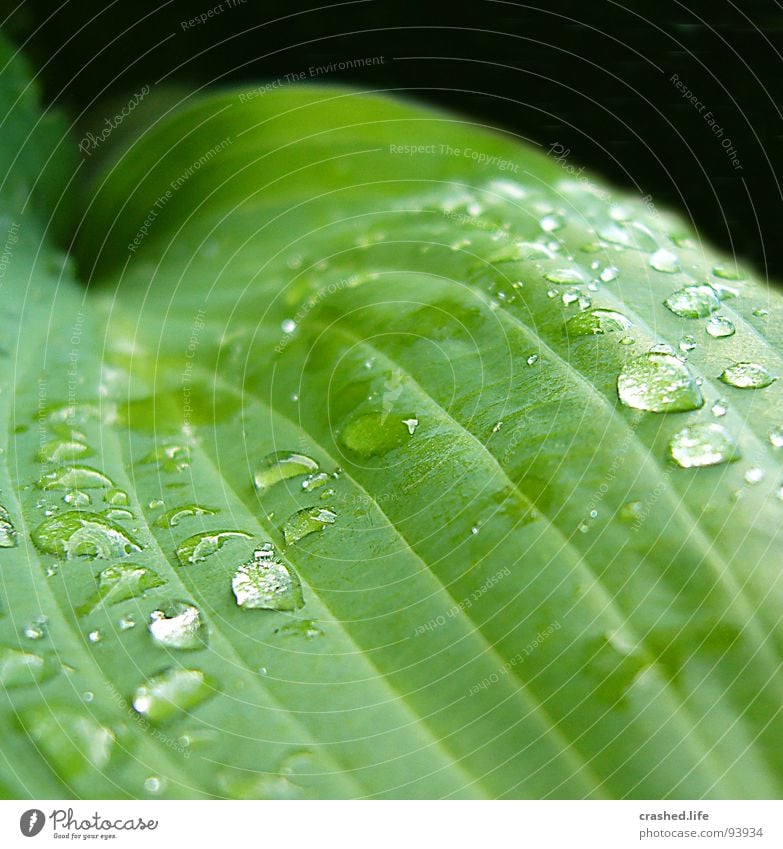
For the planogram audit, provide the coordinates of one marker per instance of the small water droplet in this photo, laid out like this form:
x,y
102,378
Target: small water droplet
x,y
719,326
665,261
282,465
703,444
728,272
372,434
154,785
63,451
627,340
288,326
687,344
300,628
127,622
171,518
609,274
747,376
170,693
95,636
760,312
776,436
266,583
7,530
550,223
564,275
631,511
532,359
117,498
171,458
19,668
720,408
178,625
76,534
693,301
316,481
658,383
411,424
156,504
74,477
308,521
200,546
76,498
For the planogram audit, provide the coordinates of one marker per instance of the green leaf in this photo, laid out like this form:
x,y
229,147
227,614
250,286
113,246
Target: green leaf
x,y
360,459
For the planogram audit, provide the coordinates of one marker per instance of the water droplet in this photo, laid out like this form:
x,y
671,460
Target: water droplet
x,y
665,261
760,312
72,742
121,582
372,434
754,475
76,498
288,326
300,628
597,322
564,275
776,436
550,223
266,583
747,376
74,477
95,636
153,785
720,408
703,444
19,668
171,518
282,465
7,530
178,625
127,622
728,272
628,340
532,359
609,274
411,424
117,498
687,344
200,546
76,534
693,301
719,326
312,482
631,511
170,693
308,521
156,504
170,458
658,383
118,513
63,451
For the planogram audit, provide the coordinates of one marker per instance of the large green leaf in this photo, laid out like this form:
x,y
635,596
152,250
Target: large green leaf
x,y
508,586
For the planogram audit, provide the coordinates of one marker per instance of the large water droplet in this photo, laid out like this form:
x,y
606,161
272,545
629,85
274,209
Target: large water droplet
x,y
171,518
666,261
693,301
72,742
178,625
63,451
703,444
747,376
267,583
596,322
75,477
76,534
200,546
117,498
7,530
308,521
19,668
282,465
658,383
170,693
372,434
718,326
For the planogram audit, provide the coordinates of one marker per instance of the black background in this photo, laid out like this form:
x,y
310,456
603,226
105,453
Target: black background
x,y
594,77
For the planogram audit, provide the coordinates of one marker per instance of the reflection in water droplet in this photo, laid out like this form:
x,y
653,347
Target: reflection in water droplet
x,y
171,518
719,326
747,376
76,534
658,383
7,530
596,322
693,301
170,693
665,261
703,444
72,742
282,465
266,583
19,668
308,521
74,477
178,625
200,546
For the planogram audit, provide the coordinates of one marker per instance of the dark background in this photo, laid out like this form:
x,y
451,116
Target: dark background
x,y
593,76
